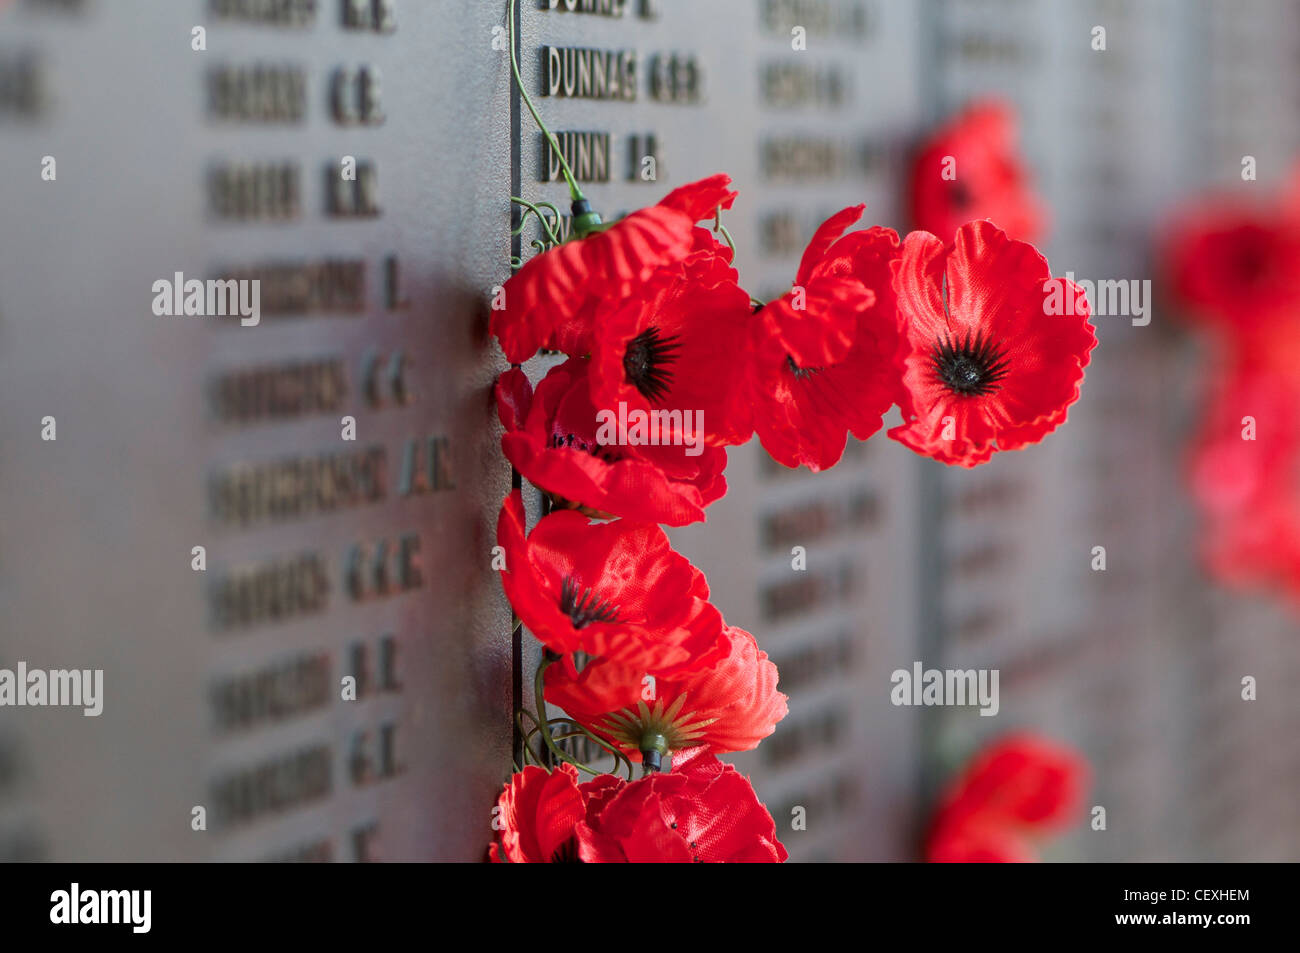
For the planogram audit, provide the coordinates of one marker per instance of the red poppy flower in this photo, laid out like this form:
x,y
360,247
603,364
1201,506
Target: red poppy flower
x,y
1245,474
824,354
980,845
971,169
1249,439
551,300
1022,785
616,590
993,348
730,706
703,811
679,343
539,810
1235,265
1258,550
536,815
555,439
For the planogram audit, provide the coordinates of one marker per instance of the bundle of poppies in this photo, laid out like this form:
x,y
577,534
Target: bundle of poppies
x,y
669,361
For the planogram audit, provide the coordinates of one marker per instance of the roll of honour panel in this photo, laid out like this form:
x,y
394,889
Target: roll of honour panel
x,y
331,450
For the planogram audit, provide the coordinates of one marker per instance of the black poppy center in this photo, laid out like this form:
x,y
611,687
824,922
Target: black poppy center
x,y
1252,264
646,361
959,195
800,372
970,366
566,853
610,454
583,606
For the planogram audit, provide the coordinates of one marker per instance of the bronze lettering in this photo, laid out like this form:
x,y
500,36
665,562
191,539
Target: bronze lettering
x,y
272,786
268,592
254,191
298,487
586,152
259,93
271,694
271,12
278,391
329,285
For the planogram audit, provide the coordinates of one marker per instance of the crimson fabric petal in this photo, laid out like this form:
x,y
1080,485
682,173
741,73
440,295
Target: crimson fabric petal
x,y
616,590
678,345
699,200
816,322
993,348
563,447
729,706
550,302
703,811
803,412
537,812
514,397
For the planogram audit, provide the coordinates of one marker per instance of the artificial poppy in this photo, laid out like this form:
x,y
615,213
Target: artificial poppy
x,y
971,169
538,811
679,343
536,814
1019,786
559,443
551,301
1249,439
1234,266
703,811
1245,475
823,354
616,589
991,345
730,706
976,844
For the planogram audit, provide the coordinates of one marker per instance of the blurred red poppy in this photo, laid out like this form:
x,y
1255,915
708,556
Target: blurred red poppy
x,y
1019,786
1234,265
1245,473
971,169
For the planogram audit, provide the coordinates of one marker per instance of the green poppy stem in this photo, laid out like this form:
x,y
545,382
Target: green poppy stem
x,y
575,193
535,209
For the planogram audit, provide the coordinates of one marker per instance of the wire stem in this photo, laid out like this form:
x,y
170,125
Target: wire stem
x,y
535,210
575,193
544,727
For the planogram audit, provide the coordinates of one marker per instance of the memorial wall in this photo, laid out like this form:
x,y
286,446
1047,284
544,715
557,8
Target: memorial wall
x,y
230,513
